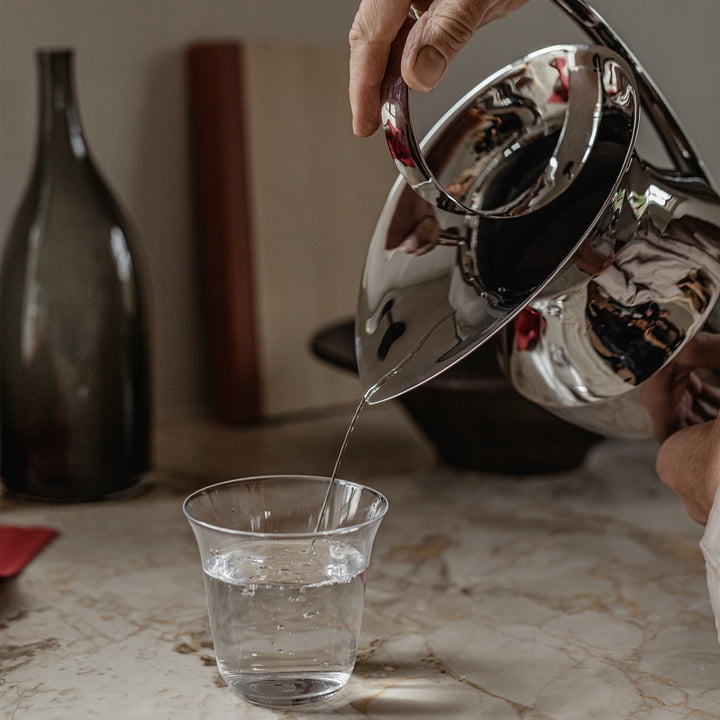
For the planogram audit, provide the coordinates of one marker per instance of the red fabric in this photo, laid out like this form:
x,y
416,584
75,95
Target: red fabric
x,y
19,545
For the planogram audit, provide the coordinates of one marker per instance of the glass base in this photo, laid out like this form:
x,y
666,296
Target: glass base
x,y
287,689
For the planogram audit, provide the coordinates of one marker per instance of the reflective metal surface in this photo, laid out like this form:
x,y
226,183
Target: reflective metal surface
x,y
526,215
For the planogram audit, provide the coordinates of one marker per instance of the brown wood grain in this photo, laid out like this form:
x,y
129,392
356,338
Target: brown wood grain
x,y
215,85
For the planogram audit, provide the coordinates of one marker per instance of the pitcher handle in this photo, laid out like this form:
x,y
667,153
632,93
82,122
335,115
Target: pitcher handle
x,y
676,142
410,161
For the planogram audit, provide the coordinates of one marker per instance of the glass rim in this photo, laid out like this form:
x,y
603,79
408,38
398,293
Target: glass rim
x,y
284,535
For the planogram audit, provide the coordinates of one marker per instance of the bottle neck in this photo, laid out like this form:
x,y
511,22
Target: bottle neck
x,y
60,125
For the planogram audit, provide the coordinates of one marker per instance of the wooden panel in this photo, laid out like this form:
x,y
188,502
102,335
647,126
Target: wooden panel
x,y
222,197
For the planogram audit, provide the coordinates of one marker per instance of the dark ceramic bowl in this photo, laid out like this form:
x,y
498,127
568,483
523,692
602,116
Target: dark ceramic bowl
x,y
473,416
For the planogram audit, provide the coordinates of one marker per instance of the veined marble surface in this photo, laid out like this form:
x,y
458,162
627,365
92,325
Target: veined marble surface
x,y
564,597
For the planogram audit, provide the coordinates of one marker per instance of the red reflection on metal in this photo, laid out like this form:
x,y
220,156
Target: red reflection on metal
x,y
562,86
398,145
529,327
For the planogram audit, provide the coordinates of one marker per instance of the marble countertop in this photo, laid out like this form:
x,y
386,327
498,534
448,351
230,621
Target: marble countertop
x,y
571,596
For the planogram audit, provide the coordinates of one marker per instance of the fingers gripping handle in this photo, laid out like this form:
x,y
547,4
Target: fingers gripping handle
x,y
412,164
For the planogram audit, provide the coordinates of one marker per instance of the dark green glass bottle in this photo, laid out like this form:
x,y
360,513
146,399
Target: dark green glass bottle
x,y
75,416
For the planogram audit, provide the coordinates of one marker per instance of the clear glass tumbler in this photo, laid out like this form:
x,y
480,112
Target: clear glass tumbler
x,y
285,597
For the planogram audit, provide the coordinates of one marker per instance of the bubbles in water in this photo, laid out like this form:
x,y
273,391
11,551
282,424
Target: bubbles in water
x,y
280,630
337,552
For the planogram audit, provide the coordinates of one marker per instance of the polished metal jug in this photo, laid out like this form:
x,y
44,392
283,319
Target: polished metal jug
x,y
527,216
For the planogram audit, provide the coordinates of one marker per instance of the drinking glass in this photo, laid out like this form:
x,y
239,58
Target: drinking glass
x,y
285,581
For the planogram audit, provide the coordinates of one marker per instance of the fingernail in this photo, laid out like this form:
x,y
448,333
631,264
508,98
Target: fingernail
x,y
429,68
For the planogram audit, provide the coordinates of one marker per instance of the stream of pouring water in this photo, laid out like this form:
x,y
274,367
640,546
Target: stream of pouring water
x,y
328,493
366,401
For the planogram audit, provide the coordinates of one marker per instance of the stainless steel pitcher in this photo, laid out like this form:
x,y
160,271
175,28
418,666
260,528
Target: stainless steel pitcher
x,y
526,215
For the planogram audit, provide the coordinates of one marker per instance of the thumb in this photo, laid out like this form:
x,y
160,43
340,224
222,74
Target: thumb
x,y
441,32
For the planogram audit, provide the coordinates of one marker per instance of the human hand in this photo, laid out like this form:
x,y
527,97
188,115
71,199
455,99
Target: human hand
x,y
677,397
688,462
681,405
427,46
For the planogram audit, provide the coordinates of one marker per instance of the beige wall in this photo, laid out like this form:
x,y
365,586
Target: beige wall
x,y
317,191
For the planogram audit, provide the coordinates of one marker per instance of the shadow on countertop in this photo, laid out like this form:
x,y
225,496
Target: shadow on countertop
x,y
473,416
